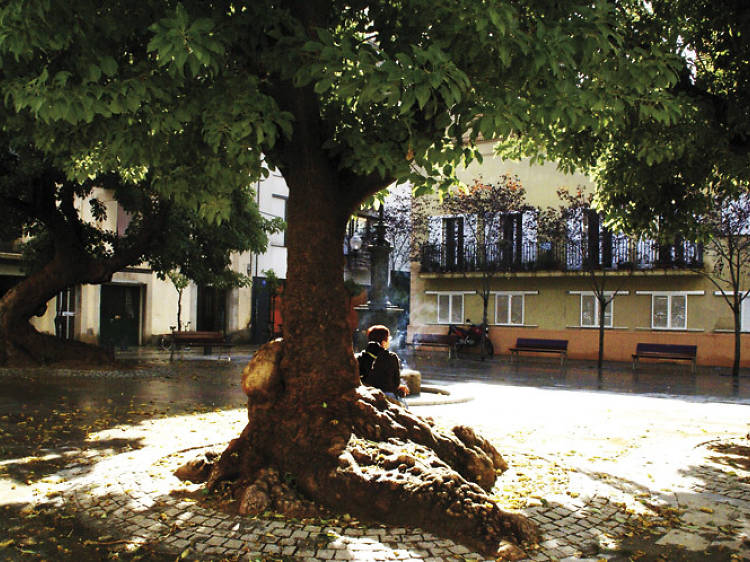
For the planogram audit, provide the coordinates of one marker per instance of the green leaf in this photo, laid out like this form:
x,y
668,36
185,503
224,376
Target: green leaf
x,y
108,66
323,85
423,94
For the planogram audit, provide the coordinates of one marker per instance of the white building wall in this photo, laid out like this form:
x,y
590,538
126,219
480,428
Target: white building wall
x,y
239,298
271,195
87,324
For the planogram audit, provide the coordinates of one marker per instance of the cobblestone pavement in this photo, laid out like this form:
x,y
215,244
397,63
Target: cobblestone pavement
x,y
593,469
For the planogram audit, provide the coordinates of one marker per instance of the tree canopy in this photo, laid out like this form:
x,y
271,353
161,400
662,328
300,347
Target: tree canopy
x,y
656,174
204,92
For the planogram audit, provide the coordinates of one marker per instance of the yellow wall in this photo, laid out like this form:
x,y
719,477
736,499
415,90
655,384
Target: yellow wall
x,y
540,181
554,313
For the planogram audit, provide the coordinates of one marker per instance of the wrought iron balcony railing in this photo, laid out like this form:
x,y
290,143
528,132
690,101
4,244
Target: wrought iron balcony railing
x,y
568,255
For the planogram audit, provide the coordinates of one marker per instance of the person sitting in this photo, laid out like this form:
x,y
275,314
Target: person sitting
x,y
379,367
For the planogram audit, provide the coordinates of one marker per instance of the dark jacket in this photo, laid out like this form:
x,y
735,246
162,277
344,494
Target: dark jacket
x,y
379,367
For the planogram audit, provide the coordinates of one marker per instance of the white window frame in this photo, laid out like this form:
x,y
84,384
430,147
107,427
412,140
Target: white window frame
x,y
670,294
744,309
450,294
612,295
595,324
510,295
745,315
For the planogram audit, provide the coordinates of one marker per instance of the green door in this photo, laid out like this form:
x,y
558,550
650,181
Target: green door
x,y
120,316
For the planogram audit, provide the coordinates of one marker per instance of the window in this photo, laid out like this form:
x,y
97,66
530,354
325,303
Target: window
x,y
509,308
450,307
590,312
278,209
745,314
453,240
669,311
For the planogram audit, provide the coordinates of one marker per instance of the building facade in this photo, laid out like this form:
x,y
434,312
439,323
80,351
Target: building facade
x,y
547,289
136,307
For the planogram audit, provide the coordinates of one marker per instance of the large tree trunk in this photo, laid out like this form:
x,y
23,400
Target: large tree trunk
x,y
20,342
348,447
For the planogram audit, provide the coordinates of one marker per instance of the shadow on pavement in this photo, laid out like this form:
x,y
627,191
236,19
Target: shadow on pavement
x,y
46,415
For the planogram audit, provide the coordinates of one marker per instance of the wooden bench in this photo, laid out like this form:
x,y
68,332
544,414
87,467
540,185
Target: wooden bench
x,y
436,340
207,339
538,345
670,351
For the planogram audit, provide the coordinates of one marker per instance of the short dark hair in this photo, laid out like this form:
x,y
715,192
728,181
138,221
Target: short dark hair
x,y
378,333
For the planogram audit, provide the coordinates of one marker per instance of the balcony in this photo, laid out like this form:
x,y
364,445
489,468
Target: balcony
x,y
572,256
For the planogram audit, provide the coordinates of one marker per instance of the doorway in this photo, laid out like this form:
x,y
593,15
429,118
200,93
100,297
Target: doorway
x,y
120,315
65,314
212,309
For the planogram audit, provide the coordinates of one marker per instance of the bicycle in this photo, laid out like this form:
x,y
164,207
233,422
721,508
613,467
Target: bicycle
x,y
166,341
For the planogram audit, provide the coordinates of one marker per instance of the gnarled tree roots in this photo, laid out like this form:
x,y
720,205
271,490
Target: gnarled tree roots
x,y
363,455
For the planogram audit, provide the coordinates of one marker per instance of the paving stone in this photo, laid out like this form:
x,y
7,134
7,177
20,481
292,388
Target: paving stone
x,y
298,534
180,544
216,541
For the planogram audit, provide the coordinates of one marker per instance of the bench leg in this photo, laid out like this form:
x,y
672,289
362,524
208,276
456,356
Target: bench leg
x,y
635,363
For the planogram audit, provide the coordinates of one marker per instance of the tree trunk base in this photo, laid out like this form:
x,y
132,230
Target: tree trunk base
x,y
363,455
25,346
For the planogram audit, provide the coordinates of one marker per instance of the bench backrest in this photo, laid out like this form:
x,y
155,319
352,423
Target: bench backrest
x,y
448,339
199,335
538,343
690,350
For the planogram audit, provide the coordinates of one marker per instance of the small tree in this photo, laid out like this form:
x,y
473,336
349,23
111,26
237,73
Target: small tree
x,y
727,240
588,246
180,283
